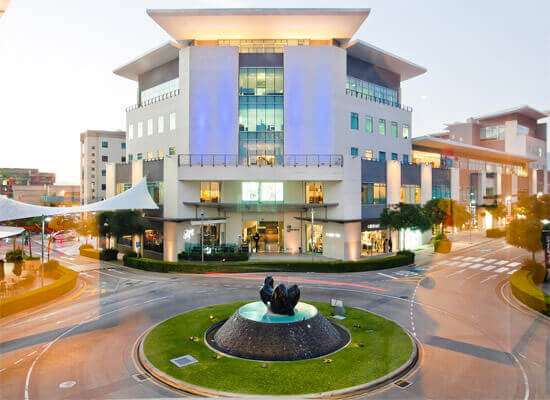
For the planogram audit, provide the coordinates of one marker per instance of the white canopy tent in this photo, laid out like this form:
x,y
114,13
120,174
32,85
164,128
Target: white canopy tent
x,y
9,231
137,197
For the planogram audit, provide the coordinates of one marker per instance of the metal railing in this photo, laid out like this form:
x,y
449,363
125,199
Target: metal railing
x,y
157,99
287,160
361,95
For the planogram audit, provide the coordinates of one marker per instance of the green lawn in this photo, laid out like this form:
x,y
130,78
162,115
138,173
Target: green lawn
x,y
386,347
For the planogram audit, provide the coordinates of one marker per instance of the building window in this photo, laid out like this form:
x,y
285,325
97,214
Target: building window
x,y
314,193
354,121
373,193
381,156
394,129
405,128
105,158
139,156
394,156
103,186
148,95
160,126
172,151
130,131
104,144
370,91
130,157
368,124
354,151
156,192
103,172
210,192
493,132
522,130
423,157
140,129
382,127
368,154
405,158
149,127
149,155
122,159
172,121
410,194
122,187
441,192
160,154
123,145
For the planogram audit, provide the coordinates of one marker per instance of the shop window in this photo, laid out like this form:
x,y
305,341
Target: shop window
x,y
373,193
153,241
410,194
265,192
156,191
317,245
374,242
314,193
210,192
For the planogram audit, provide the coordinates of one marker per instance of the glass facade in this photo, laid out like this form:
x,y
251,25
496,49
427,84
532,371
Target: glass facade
x,y
159,90
156,192
371,91
261,116
410,194
382,156
373,193
314,193
441,192
210,192
493,132
354,151
262,45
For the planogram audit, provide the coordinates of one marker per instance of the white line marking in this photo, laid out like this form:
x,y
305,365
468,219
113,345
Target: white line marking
x,y
475,266
511,272
457,258
490,260
457,272
453,263
17,362
2,370
30,354
468,258
479,259
501,269
488,268
514,264
387,276
491,277
501,262
463,265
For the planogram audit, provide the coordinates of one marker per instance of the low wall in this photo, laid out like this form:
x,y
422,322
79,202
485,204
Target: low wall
x,y
32,298
91,253
526,291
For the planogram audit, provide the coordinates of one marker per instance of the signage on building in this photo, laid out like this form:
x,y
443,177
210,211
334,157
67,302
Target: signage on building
x,y
333,235
289,228
138,245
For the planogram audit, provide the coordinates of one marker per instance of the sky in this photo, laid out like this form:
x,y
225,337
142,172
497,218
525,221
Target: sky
x,y
57,58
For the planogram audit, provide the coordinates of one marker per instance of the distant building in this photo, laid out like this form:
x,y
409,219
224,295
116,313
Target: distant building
x,y
97,148
47,195
10,177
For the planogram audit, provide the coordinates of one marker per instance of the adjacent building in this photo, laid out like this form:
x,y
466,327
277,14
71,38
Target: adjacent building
x,y
11,177
97,148
48,195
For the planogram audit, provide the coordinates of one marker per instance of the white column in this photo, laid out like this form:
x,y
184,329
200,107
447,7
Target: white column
x,y
514,191
425,183
455,184
171,238
545,188
532,182
393,182
110,189
499,184
137,171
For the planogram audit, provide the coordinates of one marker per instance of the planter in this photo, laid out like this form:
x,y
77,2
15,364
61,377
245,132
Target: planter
x,y
442,246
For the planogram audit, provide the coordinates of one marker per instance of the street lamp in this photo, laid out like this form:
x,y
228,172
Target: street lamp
x,y
312,221
106,225
202,236
42,249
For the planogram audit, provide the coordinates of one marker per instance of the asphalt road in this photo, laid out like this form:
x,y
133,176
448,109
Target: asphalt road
x,y
476,341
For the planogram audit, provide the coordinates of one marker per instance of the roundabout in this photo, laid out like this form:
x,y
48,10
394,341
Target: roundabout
x,y
373,351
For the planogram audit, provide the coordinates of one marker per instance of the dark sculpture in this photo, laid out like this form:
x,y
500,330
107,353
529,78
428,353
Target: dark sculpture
x,y
281,300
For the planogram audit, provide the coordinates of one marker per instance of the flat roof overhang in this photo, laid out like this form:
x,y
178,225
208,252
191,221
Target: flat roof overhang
x,y
154,58
260,23
427,143
259,207
383,59
336,221
525,110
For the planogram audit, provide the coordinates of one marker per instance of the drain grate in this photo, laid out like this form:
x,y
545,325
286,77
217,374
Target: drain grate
x,y
402,384
139,377
184,361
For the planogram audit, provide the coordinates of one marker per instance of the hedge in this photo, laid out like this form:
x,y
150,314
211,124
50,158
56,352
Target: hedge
x,y
495,233
241,256
108,254
92,253
35,297
288,266
526,291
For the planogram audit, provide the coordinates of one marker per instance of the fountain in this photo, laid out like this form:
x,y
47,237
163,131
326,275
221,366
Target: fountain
x,y
278,328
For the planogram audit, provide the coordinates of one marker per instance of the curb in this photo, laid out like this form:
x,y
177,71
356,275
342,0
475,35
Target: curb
x,y
339,393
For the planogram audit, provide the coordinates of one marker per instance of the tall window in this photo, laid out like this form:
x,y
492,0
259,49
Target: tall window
x,y
172,121
105,144
354,121
368,154
394,129
123,145
354,151
381,156
139,156
130,157
103,172
261,116
371,91
210,192
368,124
140,129
405,158
314,193
122,187
156,192
382,126
441,192
160,154
149,127
405,128
149,155
410,194
131,131
160,126
373,193
394,156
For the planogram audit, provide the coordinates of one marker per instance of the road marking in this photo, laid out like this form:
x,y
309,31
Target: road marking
x,y
501,262
490,260
511,272
475,266
501,269
17,362
457,272
488,268
67,384
514,264
491,277
468,258
74,296
464,265
2,370
457,258
453,263
479,259
30,354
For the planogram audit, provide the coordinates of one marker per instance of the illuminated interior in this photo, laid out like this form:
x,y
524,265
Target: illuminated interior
x,y
424,157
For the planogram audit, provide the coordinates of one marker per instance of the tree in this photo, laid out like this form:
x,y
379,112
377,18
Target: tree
x,y
120,223
87,227
405,216
62,223
446,213
525,233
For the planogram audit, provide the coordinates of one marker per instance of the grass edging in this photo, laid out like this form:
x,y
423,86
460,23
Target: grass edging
x,y
272,266
526,291
38,296
399,372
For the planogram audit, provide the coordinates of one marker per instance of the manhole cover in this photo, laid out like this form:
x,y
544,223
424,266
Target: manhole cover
x,y
184,361
67,384
139,377
402,384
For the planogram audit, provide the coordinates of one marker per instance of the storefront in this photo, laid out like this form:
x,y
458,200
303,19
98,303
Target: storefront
x,y
317,238
374,239
263,236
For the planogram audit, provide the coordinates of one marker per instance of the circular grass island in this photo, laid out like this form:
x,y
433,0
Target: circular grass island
x,y
379,351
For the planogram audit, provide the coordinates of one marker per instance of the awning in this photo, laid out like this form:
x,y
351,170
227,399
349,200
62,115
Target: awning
x,y
9,231
137,198
208,221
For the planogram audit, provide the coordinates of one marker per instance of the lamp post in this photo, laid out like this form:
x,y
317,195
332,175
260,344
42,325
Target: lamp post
x,y
106,225
312,221
202,236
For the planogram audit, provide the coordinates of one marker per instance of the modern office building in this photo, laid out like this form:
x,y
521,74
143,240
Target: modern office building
x,y
253,120
97,148
10,177
48,195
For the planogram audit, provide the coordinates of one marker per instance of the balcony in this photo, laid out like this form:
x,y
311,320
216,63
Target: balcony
x,y
288,160
154,100
374,99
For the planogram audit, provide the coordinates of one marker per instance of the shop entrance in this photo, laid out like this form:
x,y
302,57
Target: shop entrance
x,y
317,238
374,242
263,236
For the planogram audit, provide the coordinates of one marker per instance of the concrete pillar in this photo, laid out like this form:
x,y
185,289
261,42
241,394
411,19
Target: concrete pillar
x,y
171,240
455,184
532,182
393,182
514,190
425,183
137,171
110,189
499,184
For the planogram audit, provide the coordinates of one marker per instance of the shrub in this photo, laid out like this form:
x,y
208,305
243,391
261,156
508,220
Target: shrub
x,y
108,254
538,271
442,244
526,291
407,253
92,253
241,256
85,246
439,236
15,255
495,233
129,254
273,266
